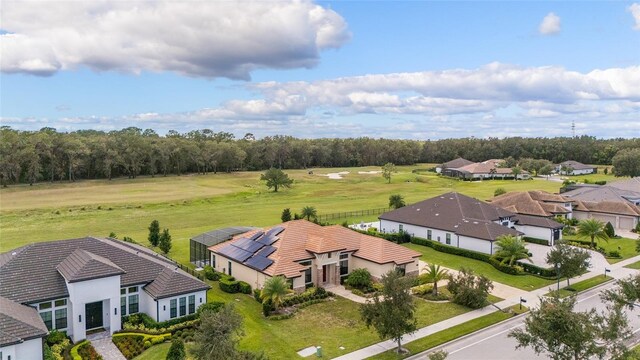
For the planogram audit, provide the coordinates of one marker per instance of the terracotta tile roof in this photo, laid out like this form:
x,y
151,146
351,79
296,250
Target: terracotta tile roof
x,y
609,207
301,239
531,203
19,323
457,213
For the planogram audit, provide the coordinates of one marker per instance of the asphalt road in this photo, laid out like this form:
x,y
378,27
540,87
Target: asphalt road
x,y
494,344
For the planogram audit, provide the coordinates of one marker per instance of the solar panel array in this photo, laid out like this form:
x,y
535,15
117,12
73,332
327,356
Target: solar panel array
x,y
253,251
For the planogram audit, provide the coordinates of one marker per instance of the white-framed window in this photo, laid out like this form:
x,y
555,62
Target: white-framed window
x,y
429,234
54,314
173,308
192,304
448,239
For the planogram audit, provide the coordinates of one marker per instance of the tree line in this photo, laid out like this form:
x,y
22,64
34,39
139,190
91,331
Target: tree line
x,y
50,155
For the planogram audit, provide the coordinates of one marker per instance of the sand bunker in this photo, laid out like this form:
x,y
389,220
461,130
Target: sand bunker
x,y
370,172
335,176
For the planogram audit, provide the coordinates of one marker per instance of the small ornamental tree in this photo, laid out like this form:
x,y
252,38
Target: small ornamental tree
x,y
569,261
176,351
608,229
275,289
396,201
468,289
435,274
309,212
275,179
510,249
165,241
154,233
592,229
516,170
360,279
387,170
392,314
218,335
286,215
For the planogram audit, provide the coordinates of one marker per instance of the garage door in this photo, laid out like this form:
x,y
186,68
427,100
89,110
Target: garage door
x,y
626,223
605,219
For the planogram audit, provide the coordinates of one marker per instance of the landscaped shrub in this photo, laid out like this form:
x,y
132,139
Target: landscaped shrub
x,y
176,351
608,229
512,270
468,289
132,345
148,322
257,294
267,307
84,351
614,254
499,191
55,337
244,287
47,353
308,295
210,273
59,348
535,240
229,286
359,279
601,182
214,306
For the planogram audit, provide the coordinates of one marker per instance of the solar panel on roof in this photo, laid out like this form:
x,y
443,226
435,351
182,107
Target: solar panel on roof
x,y
253,247
256,235
266,251
275,231
268,240
259,262
235,253
242,243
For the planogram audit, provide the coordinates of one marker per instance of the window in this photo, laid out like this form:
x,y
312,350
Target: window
x,y
329,256
61,319
123,306
133,304
429,234
213,261
62,302
230,268
192,304
173,308
448,239
305,263
45,305
123,291
344,256
400,228
344,268
308,282
401,269
183,306
133,289
46,317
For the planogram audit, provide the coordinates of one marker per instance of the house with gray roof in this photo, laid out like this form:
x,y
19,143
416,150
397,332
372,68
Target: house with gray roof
x,y
87,284
21,331
453,219
571,167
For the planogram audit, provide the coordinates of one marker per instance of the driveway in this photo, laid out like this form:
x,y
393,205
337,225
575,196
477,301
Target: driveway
x,y
598,261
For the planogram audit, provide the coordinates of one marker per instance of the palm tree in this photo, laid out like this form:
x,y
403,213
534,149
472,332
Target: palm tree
x,y
396,201
593,229
510,248
309,212
275,289
435,274
516,170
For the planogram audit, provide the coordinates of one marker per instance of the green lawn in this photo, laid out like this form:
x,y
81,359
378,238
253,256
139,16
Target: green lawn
x,y
525,282
625,246
155,352
582,285
192,204
330,324
449,334
635,265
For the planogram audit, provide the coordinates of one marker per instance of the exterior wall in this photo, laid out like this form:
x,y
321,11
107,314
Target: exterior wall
x,y
387,226
81,293
474,244
164,305
618,221
376,270
30,349
536,232
147,304
241,272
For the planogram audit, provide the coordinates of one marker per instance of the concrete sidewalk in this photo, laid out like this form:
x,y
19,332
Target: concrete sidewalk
x,y
533,300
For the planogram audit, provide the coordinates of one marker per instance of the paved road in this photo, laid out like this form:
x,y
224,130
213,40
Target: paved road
x,y
494,344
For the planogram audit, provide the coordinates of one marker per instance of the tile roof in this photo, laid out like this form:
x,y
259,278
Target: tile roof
x,y
456,163
632,184
82,265
457,213
610,207
29,273
537,221
622,191
300,239
576,165
19,323
172,282
532,203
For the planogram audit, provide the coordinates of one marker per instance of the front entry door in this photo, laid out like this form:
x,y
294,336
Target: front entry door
x,y
93,313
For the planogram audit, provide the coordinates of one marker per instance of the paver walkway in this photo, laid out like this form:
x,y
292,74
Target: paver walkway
x,y
342,292
533,298
105,347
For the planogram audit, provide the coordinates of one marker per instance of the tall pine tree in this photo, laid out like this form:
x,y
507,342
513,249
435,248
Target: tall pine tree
x,y
154,233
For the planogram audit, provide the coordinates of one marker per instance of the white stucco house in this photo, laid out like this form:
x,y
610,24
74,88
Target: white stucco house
x,y
21,331
571,167
88,284
453,219
308,255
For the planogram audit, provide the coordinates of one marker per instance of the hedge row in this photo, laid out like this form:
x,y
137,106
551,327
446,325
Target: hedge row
x,y
536,241
149,323
230,285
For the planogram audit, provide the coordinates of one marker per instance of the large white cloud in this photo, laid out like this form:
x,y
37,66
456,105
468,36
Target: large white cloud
x,y
194,38
550,24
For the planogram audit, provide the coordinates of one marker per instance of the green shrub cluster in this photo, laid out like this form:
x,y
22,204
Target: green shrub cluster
x,y
58,349
140,328
132,345
244,287
84,351
359,279
149,323
293,312
214,306
230,285
210,273
310,294
512,270
257,294
535,240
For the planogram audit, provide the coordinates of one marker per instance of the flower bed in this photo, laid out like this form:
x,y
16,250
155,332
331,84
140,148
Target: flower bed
x,y
133,344
84,351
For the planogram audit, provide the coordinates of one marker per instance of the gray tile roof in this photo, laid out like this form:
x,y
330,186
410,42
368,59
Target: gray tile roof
x,y
537,221
576,165
456,163
457,213
82,265
31,276
171,282
19,323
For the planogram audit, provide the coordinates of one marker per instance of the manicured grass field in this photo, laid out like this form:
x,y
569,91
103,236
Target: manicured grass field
x,y
635,265
582,285
189,205
625,246
155,352
525,282
329,324
449,334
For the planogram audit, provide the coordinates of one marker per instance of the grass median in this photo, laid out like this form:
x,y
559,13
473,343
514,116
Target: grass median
x,y
581,286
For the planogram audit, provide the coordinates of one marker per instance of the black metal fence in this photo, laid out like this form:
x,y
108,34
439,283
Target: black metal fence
x,y
349,214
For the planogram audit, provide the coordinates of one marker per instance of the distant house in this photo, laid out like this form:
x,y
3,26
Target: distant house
x,y
536,211
453,164
571,167
308,255
453,219
21,331
86,284
617,202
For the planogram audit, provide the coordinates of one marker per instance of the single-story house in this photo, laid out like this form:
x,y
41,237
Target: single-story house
x,y
489,169
453,164
89,283
453,219
21,331
571,167
308,255
621,191
621,215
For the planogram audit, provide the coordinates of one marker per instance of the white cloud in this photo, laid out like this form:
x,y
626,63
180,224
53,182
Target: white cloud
x,y
634,9
550,24
195,38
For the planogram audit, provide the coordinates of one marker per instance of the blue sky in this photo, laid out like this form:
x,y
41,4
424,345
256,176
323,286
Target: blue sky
x,y
394,69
